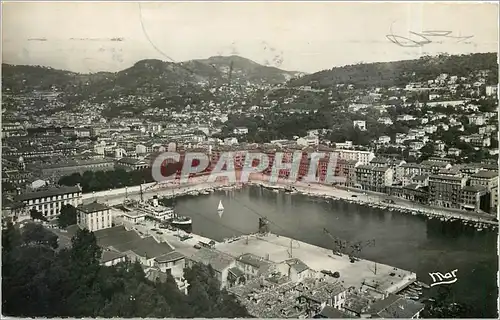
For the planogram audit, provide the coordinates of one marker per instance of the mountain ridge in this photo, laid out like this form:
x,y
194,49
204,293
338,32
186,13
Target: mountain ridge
x,y
154,75
395,73
149,72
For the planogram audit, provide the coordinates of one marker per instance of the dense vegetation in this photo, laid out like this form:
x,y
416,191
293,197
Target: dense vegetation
x,y
40,281
400,73
104,180
444,306
67,216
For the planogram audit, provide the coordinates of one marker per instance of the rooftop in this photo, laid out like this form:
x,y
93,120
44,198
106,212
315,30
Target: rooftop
x,y
411,165
145,247
116,235
297,265
253,260
444,177
332,313
217,259
396,307
110,256
171,256
76,163
474,188
48,193
92,207
421,177
131,161
431,163
486,174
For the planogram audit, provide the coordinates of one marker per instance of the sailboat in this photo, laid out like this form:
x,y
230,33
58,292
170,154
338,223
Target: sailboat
x,y
220,209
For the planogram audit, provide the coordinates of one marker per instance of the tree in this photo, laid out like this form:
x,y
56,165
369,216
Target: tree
x,y
35,234
205,298
37,281
11,238
427,150
444,306
37,215
84,249
67,216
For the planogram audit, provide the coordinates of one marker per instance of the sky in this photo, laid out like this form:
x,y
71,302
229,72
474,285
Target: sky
x,y
295,36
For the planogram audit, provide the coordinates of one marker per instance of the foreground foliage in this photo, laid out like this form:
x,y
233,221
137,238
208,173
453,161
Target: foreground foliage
x,y
39,281
105,180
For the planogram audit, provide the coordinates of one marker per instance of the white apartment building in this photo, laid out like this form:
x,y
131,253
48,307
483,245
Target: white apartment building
x,y
476,119
308,141
240,130
405,117
491,90
49,202
343,145
364,157
384,139
93,216
385,120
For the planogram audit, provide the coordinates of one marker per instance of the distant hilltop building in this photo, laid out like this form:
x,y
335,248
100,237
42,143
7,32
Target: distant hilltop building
x,y
491,90
240,130
172,147
360,124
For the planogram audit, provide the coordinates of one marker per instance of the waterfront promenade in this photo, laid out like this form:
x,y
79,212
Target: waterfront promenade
x,y
173,188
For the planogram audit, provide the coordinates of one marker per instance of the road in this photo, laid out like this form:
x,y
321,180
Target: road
x,y
148,228
168,191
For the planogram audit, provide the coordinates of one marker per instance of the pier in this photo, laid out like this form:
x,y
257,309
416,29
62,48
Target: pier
x,y
362,273
275,248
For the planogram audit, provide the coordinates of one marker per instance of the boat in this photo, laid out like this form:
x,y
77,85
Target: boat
x,y
412,292
181,221
423,285
151,208
220,207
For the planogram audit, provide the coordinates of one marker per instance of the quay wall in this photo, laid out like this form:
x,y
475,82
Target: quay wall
x,y
312,189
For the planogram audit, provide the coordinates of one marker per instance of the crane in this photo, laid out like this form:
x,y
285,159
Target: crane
x,y
150,187
340,244
141,190
347,247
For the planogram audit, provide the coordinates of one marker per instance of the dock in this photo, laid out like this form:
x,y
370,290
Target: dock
x,y
275,248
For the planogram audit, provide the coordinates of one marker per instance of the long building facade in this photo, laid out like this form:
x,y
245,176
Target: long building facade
x,y
50,201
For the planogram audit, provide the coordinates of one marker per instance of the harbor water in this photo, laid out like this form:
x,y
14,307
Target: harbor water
x,y
413,243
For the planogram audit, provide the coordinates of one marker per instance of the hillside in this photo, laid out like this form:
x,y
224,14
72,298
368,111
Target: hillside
x,y
145,75
401,72
242,70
